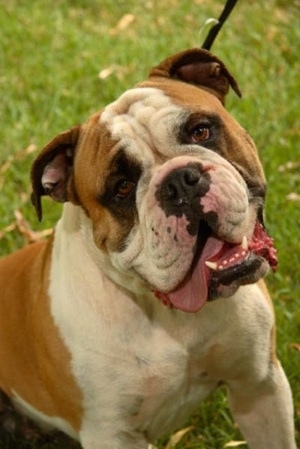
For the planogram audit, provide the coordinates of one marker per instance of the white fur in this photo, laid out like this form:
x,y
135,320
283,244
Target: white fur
x,y
143,119
143,368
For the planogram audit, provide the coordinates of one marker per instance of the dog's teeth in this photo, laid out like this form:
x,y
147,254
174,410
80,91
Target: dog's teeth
x,y
244,243
211,265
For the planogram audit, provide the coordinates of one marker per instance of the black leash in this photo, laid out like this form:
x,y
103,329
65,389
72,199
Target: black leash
x,y
213,32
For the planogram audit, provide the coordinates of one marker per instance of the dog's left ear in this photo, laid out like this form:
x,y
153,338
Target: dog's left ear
x,y
199,67
51,172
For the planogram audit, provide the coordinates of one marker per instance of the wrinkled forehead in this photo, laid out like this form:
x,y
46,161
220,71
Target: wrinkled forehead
x,y
143,117
150,117
140,105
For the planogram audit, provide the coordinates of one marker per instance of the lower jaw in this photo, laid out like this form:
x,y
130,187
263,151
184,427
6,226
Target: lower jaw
x,y
225,284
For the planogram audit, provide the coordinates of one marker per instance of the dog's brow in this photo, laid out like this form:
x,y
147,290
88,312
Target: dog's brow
x,y
123,163
203,117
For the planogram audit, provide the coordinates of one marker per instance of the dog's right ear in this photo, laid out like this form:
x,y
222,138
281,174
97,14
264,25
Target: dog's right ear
x,y
51,172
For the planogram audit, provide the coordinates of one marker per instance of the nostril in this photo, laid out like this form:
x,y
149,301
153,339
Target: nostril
x,y
180,187
191,177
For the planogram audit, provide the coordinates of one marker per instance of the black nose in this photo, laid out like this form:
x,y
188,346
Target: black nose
x,y
182,188
179,187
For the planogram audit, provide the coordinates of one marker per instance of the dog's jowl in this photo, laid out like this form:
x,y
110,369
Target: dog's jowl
x,y
149,294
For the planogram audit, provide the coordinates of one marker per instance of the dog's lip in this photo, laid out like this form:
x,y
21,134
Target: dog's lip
x,y
232,255
226,282
222,264
244,265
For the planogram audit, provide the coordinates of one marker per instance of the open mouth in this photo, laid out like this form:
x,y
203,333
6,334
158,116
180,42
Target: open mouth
x,y
221,268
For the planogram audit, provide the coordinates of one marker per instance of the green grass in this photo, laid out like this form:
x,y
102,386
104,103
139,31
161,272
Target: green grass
x,y
52,53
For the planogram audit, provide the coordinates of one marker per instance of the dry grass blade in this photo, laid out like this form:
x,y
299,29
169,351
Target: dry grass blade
x,y
295,346
123,23
24,228
177,437
235,444
293,196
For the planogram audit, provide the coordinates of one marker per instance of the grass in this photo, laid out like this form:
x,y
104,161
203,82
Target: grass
x,y
52,55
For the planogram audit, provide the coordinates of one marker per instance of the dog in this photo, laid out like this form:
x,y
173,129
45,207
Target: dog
x,y
149,295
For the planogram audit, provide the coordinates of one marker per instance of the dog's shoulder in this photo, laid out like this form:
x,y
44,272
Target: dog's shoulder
x,y
21,262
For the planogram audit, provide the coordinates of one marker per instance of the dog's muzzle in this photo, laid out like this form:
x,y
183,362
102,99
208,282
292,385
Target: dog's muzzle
x,y
180,194
219,265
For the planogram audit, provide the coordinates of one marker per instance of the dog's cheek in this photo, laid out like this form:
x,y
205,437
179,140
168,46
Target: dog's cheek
x,y
109,234
226,205
168,248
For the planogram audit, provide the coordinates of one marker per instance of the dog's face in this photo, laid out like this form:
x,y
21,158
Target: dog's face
x,y
171,185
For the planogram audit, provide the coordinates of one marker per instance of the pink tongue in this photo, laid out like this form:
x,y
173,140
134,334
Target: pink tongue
x,y
192,294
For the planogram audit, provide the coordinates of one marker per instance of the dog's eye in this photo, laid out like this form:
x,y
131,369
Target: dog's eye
x,y
200,133
124,188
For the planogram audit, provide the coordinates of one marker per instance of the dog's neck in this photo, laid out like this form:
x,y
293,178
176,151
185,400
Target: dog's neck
x,y
74,238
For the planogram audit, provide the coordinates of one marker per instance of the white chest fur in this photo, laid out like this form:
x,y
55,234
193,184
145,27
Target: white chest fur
x,y
140,365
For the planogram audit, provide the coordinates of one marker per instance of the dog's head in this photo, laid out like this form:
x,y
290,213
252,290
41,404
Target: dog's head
x,y
170,184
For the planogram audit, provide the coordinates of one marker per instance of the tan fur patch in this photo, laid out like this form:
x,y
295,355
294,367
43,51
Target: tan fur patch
x,y
35,362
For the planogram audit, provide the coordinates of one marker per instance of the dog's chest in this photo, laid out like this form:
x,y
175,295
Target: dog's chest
x,y
147,373
169,385
136,362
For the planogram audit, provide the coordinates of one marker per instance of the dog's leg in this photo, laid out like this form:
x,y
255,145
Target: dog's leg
x,y
264,411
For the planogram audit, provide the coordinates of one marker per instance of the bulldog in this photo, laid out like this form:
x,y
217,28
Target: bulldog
x,y
149,295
